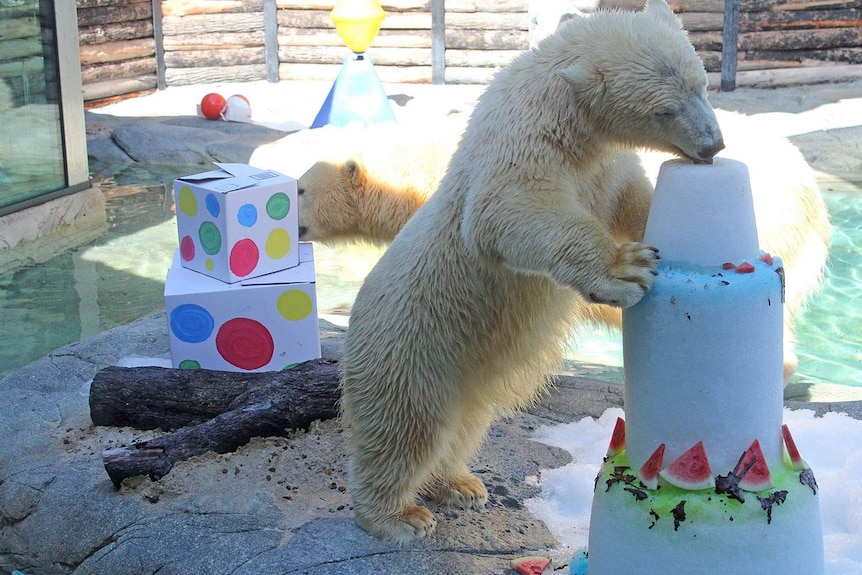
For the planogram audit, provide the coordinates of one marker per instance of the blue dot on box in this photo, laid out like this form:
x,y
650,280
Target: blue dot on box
x,y
247,215
212,205
191,323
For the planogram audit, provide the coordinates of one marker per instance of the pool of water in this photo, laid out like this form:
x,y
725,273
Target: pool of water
x,y
120,277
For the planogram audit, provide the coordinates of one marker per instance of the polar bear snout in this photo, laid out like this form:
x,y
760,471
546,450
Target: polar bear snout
x,y
708,152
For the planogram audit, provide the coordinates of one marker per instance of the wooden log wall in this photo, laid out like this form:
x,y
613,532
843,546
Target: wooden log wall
x,y
213,41
117,47
482,36
202,41
309,48
23,66
780,41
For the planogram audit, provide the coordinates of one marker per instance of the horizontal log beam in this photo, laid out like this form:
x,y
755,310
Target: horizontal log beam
x,y
213,58
223,41
192,7
21,27
487,39
116,31
117,51
20,48
480,58
212,23
337,54
214,74
783,40
103,15
487,21
792,76
328,73
111,88
118,71
329,37
521,6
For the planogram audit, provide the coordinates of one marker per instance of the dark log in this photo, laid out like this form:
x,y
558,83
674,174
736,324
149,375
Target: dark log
x,y
116,31
784,39
222,410
128,69
126,12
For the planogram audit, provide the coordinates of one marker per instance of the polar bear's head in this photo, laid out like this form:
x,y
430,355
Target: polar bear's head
x,y
637,78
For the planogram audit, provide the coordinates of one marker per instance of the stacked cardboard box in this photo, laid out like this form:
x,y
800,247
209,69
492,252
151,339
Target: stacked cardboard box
x,y
240,295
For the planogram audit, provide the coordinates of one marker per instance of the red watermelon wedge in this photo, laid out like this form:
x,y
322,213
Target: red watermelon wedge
x,y
618,438
690,470
532,565
754,473
799,464
649,471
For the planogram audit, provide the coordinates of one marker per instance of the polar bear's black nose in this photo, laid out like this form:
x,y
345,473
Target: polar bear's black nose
x,y
302,231
707,153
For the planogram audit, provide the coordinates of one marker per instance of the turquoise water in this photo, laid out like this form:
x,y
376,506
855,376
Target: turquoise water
x,y
120,277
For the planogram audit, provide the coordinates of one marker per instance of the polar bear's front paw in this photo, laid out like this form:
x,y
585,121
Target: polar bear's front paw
x,y
465,491
412,523
632,273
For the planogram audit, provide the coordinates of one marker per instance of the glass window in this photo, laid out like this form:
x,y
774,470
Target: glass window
x,y
31,139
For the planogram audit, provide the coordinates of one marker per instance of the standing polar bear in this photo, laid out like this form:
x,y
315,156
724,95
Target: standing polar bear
x,y
466,311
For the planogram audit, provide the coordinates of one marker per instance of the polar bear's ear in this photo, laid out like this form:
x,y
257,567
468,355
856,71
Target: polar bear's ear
x,y
580,75
353,172
660,9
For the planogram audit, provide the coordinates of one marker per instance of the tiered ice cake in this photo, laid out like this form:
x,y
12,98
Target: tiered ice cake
x,y
702,477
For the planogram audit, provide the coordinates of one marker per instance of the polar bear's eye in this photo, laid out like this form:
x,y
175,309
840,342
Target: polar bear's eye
x,y
665,112
300,191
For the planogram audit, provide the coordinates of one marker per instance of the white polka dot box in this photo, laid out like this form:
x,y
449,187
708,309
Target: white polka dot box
x,y
237,222
266,323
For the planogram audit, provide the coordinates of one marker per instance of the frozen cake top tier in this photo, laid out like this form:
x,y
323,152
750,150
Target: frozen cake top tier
x,y
703,213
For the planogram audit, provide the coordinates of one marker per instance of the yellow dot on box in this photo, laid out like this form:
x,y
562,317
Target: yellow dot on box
x,y
209,264
277,243
294,304
188,202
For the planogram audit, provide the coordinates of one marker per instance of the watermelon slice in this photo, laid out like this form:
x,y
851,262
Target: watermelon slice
x,y
753,472
799,464
532,565
618,438
690,470
744,268
728,266
649,471
767,258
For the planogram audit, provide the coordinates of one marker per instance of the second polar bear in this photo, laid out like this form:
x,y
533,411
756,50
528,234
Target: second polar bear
x,y
464,315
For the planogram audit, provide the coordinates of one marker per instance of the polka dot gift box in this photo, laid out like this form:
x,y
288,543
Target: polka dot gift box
x,y
265,323
237,222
